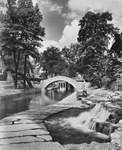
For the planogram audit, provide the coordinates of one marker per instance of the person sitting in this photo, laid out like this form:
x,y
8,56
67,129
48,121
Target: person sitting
x,y
85,93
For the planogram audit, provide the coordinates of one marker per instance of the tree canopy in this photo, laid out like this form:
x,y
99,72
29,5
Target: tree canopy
x,y
52,61
71,55
117,45
95,31
96,25
22,32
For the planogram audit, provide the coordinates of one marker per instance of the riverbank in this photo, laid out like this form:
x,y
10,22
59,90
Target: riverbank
x,y
16,93
27,130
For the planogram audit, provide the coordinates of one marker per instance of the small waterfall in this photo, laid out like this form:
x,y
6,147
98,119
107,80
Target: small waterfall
x,y
95,120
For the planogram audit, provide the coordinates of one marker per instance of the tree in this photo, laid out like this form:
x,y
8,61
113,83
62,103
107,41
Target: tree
x,y
52,60
22,32
9,35
96,28
71,55
117,45
31,33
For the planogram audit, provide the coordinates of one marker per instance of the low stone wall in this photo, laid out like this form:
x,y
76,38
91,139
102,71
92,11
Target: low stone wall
x,y
13,94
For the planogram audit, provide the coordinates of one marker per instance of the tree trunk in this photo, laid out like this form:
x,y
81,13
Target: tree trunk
x,y
15,80
16,62
25,63
46,74
22,76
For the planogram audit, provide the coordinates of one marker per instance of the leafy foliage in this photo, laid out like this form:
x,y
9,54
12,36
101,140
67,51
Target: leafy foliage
x,y
52,61
117,45
71,56
95,26
22,32
97,29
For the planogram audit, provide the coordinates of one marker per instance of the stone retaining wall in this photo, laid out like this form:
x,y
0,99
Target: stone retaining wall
x,y
7,94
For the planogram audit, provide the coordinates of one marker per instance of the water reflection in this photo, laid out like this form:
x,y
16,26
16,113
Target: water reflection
x,y
12,106
58,94
8,107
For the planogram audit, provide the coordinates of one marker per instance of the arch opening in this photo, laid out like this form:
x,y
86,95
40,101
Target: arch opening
x,y
60,84
47,82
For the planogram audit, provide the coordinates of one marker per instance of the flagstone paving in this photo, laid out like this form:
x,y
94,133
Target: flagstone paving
x,y
27,131
34,146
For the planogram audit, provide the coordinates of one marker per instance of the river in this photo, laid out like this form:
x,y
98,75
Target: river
x,y
12,106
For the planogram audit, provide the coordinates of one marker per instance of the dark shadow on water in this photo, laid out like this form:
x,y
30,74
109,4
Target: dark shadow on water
x,y
12,106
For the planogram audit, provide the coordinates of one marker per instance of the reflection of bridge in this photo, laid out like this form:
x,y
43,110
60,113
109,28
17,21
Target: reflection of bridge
x,y
74,83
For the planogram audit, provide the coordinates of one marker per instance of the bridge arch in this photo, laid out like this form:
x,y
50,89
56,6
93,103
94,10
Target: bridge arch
x,y
47,82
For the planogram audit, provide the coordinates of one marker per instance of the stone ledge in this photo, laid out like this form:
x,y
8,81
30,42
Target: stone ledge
x,y
17,93
34,146
35,133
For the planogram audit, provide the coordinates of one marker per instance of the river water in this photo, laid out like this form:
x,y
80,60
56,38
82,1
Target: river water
x,y
12,106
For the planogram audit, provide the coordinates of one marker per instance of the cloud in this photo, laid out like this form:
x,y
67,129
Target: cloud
x,y
48,43
113,6
70,15
56,8
52,7
70,34
35,2
104,5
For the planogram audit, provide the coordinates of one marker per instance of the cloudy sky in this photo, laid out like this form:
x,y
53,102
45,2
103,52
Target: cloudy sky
x,y
61,18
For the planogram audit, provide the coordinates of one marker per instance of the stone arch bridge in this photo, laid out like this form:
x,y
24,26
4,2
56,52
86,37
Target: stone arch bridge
x,y
74,83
